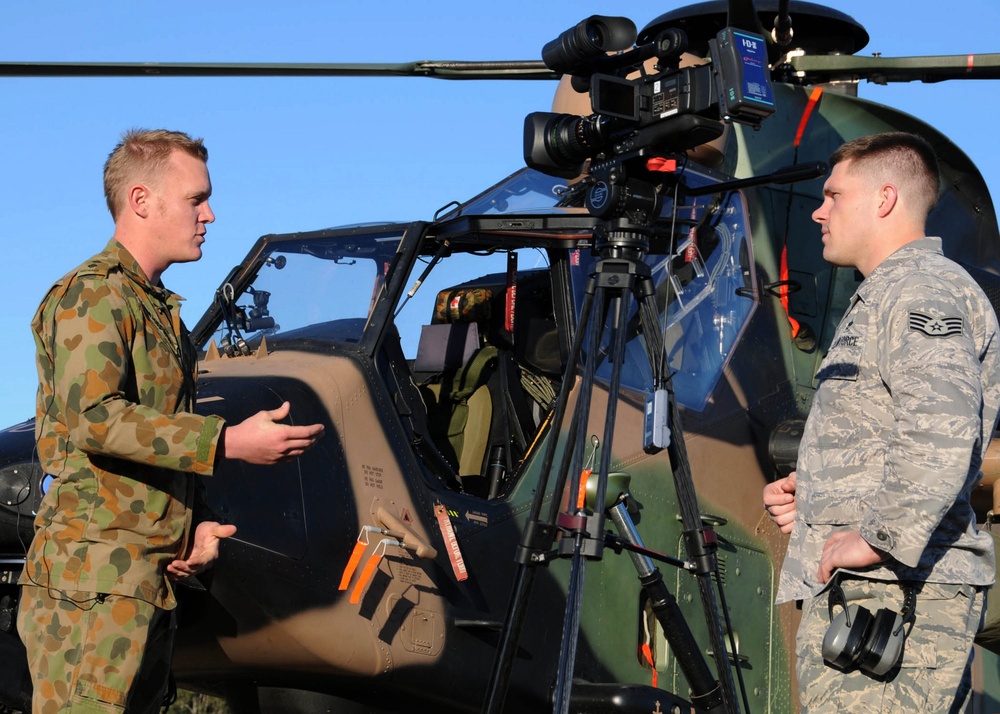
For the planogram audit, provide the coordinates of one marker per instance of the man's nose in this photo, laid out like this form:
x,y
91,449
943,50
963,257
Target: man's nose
x,y
207,215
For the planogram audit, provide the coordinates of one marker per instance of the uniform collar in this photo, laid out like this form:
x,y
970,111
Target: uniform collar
x,y
119,254
927,244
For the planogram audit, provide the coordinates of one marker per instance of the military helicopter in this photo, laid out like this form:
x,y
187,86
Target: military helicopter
x,y
388,568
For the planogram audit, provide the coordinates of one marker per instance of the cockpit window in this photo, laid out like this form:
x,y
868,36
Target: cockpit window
x,y
320,288
525,192
454,270
704,281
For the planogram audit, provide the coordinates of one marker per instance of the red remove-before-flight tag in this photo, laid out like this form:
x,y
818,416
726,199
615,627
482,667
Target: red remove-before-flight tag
x,y
451,541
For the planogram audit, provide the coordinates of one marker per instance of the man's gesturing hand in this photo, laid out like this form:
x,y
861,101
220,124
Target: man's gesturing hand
x,y
261,439
203,551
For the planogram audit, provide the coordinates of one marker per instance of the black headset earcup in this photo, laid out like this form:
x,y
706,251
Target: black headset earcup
x,y
884,643
843,643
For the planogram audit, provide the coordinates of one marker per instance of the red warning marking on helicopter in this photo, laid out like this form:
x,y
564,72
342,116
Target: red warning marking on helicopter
x,y
406,517
454,552
511,298
972,61
814,98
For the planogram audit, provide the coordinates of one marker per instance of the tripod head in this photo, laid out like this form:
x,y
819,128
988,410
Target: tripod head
x,y
626,193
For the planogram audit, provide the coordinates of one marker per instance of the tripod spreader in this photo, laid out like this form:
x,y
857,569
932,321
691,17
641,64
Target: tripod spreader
x,y
618,545
588,528
701,545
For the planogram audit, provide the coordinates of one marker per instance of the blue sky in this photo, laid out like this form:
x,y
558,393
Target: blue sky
x,y
291,154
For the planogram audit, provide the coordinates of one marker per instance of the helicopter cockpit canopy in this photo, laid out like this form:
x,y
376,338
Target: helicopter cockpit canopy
x,y
321,287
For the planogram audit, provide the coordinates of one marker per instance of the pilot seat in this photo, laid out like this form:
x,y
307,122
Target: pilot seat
x,y
474,415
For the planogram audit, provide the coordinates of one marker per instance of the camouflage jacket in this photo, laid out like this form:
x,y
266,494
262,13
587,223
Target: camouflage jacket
x,y
905,406
116,432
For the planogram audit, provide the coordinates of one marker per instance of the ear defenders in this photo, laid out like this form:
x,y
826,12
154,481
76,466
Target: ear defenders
x,y
873,643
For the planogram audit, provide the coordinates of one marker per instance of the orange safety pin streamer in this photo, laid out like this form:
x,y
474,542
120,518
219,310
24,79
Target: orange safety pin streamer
x,y
581,497
647,654
352,564
366,575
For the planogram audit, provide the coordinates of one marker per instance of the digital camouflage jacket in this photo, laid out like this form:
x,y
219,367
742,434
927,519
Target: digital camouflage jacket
x,y
116,432
905,407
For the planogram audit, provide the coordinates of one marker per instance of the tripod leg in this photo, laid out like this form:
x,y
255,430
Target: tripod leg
x,y
702,554
537,537
621,305
571,633
503,662
571,619
697,548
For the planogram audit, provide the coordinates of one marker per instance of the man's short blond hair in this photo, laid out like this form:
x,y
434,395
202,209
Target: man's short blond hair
x,y
140,156
906,160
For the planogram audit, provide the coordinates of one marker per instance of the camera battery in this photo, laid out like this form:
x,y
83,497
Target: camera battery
x,y
656,422
744,84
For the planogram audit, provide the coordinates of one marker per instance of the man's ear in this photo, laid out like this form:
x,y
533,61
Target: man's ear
x,y
888,198
139,197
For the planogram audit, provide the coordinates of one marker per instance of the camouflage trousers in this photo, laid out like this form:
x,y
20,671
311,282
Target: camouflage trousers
x,y
935,673
97,654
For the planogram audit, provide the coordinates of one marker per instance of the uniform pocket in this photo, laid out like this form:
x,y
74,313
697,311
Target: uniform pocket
x,y
920,654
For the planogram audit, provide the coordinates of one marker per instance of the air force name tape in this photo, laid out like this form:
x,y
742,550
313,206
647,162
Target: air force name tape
x,y
935,326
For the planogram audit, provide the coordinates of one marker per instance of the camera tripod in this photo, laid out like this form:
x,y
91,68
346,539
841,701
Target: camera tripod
x,y
619,274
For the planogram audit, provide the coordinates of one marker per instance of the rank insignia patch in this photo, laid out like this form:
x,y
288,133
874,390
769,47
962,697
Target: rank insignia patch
x,y
935,326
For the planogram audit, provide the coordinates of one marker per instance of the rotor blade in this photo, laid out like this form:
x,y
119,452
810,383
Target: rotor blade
x,y
881,70
519,69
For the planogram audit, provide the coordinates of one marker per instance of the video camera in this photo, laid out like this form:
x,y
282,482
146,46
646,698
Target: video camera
x,y
673,110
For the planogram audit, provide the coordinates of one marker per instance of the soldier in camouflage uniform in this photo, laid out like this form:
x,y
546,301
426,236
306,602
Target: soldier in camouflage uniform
x,y
905,406
116,431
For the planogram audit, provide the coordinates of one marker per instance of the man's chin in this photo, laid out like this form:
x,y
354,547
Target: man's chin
x,y
831,257
191,257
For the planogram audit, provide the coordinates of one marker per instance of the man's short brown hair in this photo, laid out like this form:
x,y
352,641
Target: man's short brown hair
x,y
904,159
141,156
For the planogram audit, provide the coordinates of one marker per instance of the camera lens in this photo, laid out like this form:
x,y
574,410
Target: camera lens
x,y
559,144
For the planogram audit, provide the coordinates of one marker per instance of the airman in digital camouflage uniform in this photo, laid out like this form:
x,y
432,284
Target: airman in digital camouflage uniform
x,y
116,430
905,406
